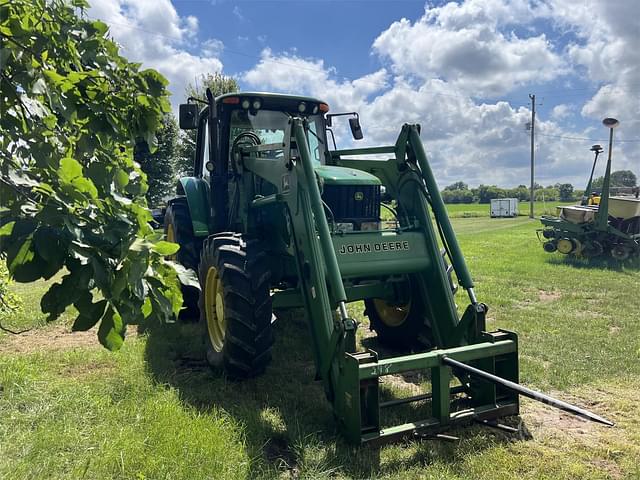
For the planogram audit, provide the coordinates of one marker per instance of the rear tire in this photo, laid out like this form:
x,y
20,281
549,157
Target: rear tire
x,y
179,229
235,305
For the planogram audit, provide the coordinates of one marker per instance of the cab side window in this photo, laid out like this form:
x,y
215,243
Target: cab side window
x,y
205,152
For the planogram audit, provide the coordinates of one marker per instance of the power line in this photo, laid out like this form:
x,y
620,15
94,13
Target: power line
x,y
586,139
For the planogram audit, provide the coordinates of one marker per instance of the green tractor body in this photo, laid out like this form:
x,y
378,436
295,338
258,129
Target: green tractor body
x,y
273,219
602,225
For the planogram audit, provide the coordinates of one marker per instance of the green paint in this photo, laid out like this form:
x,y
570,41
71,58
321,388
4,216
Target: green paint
x,y
197,192
332,175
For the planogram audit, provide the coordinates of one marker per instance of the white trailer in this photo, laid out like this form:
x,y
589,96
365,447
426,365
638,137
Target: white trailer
x,y
504,207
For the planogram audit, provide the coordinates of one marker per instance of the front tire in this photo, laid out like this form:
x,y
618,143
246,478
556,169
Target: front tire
x,y
404,327
235,305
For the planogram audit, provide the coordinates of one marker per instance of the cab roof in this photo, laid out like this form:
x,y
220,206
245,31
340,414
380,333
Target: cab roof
x,y
273,96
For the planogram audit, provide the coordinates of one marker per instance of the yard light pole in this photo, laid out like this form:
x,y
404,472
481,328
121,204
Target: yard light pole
x,y
533,126
603,208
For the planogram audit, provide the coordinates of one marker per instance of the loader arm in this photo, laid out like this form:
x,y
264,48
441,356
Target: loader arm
x,y
350,378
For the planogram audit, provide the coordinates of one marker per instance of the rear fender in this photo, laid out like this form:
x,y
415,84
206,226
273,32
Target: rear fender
x,y
197,192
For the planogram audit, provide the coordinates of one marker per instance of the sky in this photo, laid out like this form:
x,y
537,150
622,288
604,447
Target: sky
x,y
463,70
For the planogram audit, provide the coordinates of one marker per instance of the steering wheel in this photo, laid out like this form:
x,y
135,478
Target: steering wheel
x,y
244,138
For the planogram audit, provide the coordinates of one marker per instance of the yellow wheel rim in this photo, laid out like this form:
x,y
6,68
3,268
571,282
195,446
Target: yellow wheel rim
x,y
171,237
565,246
391,315
214,309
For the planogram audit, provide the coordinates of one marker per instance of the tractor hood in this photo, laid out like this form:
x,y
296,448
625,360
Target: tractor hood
x,y
332,175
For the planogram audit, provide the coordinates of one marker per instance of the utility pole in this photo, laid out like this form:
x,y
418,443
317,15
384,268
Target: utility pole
x,y
533,126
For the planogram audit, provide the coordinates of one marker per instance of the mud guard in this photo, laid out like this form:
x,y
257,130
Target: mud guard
x,y
197,192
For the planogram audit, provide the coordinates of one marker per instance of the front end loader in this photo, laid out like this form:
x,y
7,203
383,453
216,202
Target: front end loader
x,y
273,219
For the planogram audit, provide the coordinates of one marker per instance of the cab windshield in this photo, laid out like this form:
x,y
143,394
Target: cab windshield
x,y
269,126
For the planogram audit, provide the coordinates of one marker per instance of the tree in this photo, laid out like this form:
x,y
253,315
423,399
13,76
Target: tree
x,y
73,199
159,166
619,178
219,85
457,196
521,192
597,182
623,178
457,186
488,192
565,191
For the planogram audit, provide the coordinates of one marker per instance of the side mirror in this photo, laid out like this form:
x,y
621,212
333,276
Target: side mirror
x,y
356,129
189,116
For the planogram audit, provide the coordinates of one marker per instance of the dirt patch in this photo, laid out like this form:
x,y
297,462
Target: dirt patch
x,y
613,330
83,370
611,468
58,337
545,296
546,420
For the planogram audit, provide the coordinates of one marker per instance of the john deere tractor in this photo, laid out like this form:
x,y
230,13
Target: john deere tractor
x,y
275,219
602,225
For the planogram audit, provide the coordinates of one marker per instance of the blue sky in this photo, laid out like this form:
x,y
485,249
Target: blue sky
x,y
463,70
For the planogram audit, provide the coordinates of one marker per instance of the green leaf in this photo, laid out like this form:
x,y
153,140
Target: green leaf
x,y
122,178
70,173
146,307
187,276
23,262
165,248
6,229
50,245
112,330
90,314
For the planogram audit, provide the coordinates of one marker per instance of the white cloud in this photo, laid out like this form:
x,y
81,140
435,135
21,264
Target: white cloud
x,y
152,32
212,47
561,111
608,35
192,24
466,45
454,53
238,13
478,143
466,140
436,66
292,74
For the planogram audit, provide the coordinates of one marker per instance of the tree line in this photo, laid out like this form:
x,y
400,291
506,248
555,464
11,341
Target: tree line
x,y
459,192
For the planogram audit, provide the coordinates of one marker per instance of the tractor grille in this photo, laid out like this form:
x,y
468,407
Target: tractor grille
x,y
353,203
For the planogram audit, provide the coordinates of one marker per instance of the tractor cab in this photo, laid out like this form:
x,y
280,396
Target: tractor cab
x,y
239,122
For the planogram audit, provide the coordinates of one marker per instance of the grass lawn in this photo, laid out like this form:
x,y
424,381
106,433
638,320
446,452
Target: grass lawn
x,y
466,210
70,409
